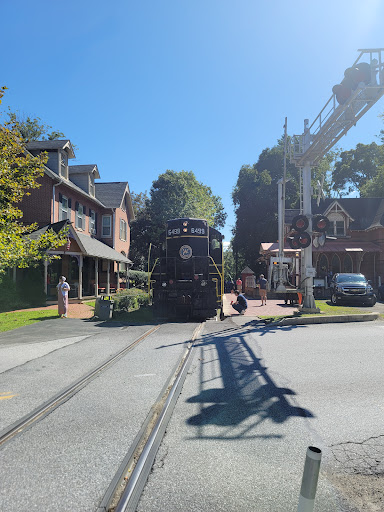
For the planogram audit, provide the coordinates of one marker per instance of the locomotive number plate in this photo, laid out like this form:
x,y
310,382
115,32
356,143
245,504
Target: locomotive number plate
x,y
185,252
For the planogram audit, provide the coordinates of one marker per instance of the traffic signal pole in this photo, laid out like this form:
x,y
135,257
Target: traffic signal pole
x,y
307,270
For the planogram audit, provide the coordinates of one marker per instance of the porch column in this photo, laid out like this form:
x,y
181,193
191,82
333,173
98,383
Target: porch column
x,y
45,277
80,294
126,276
14,275
96,277
118,276
108,277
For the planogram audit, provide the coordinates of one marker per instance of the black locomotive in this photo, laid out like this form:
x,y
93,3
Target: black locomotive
x,y
187,276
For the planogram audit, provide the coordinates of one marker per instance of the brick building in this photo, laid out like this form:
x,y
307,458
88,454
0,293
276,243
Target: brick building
x,y
357,243
95,258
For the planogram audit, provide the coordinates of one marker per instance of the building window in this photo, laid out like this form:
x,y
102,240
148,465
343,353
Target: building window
x,y
335,264
92,222
348,265
123,230
106,230
80,216
63,208
64,164
336,224
91,186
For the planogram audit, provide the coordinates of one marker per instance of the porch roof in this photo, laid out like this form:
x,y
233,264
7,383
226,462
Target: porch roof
x,y
347,246
329,246
92,247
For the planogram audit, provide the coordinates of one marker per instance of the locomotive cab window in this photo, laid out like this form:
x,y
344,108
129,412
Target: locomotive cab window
x,y
215,244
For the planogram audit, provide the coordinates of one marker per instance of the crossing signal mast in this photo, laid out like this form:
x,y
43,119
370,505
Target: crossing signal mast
x,y
361,87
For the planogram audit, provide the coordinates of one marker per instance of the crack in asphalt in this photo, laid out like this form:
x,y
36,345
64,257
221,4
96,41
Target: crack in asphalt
x,y
364,457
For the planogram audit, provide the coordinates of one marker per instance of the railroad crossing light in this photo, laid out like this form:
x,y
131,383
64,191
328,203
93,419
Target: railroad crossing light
x,y
361,73
320,223
299,223
299,240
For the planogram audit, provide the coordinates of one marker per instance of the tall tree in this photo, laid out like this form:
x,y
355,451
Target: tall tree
x,y
357,167
172,195
19,173
255,200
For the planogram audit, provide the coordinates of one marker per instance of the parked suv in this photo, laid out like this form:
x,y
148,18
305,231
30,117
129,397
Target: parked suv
x,y
352,288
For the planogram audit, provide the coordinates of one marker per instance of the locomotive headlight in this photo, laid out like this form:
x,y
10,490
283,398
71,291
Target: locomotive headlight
x,y
185,223
203,283
164,284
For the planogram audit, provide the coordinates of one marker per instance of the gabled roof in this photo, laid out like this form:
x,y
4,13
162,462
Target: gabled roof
x,y
47,145
84,169
112,195
56,227
247,270
364,210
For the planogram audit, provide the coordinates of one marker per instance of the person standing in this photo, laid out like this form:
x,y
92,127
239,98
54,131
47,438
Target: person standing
x,y
241,303
239,285
62,297
262,282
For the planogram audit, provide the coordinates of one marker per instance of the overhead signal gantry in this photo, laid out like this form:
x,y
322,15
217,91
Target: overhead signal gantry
x,y
361,87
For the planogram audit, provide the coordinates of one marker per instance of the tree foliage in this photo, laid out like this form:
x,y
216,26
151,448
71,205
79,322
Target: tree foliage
x,y
19,173
33,128
356,168
172,195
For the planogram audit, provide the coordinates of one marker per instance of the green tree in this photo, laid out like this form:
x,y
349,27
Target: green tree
x,y
33,128
19,173
357,167
172,195
229,265
179,194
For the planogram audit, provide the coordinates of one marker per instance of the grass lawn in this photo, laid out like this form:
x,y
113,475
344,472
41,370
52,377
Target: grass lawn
x,y
13,320
326,309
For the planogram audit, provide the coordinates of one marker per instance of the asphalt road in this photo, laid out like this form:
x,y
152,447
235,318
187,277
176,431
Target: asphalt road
x,y
66,462
255,399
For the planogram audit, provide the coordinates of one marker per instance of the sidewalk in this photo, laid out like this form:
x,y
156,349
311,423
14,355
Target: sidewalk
x,y
274,307
75,310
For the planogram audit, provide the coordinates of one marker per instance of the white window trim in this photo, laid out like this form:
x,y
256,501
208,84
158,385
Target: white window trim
x,y
92,221
102,226
62,210
82,217
123,230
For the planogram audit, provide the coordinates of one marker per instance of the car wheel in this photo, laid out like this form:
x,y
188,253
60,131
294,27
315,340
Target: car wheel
x,y
373,301
334,299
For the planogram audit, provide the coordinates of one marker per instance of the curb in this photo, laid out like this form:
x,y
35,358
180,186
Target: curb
x,y
305,320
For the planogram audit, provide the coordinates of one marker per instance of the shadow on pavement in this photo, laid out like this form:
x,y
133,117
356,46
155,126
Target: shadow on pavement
x,y
249,395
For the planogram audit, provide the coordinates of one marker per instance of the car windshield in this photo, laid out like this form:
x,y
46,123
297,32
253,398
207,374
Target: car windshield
x,y
351,279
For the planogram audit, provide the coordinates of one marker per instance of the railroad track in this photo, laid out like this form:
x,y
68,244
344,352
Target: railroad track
x,y
46,408
126,487
128,484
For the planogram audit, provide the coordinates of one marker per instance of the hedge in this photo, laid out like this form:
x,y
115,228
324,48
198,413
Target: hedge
x,y
130,299
138,278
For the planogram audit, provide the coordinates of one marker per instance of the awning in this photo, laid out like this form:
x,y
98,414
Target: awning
x,y
93,247
347,246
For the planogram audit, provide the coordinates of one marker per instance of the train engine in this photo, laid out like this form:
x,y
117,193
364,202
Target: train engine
x,y
187,276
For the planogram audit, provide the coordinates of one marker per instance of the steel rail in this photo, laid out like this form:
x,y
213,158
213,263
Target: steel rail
x,y
137,465
40,412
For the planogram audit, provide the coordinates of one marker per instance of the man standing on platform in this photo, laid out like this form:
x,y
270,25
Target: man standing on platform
x,y
263,289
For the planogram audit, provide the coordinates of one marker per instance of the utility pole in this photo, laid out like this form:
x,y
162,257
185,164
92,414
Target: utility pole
x,y
281,214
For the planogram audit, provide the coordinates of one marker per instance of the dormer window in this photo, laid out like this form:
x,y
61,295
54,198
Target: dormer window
x,y
64,164
336,224
91,185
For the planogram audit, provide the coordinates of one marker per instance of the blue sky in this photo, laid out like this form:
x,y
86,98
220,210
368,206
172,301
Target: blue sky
x,y
145,86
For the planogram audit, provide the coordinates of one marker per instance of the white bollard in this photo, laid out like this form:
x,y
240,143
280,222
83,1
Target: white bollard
x,y
309,482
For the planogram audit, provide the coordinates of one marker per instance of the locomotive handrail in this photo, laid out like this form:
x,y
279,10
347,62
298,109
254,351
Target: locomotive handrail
x,y
220,274
149,278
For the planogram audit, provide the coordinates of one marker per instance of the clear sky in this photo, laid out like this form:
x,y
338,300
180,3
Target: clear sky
x,y
142,87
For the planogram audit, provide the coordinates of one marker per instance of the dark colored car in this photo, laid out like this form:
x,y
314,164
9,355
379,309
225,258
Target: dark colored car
x,y
353,288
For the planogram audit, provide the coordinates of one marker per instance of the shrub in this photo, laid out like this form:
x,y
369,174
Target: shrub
x,y
138,278
29,292
129,300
